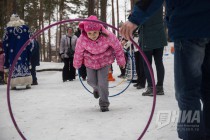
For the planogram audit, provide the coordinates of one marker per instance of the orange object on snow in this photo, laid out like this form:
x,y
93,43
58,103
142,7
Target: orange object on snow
x,y
110,77
172,49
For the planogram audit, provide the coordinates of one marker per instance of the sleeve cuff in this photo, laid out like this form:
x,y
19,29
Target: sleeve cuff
x,y
6,70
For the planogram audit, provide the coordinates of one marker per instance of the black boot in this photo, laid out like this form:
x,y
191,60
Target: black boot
x,y
148,92
160,90
135,85
140,87
95,94
104,109
34,83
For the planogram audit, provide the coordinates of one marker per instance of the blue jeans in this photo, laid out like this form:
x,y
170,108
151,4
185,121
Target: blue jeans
x,y
192,87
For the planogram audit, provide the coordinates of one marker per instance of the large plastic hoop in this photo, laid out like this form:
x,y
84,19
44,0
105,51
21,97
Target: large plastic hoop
x,y
115,86
73,20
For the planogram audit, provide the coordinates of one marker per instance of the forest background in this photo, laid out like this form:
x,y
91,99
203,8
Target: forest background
x,y
38,14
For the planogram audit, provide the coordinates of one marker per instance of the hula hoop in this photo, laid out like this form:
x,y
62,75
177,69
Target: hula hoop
x,y
114,86
123,80
72,20
132,61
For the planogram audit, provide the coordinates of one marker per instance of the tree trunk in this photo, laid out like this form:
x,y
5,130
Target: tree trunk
x,y
35,22
132,3
91,7
9,8
125,9
49,37
103,10
21,10
97,8
14,7
61,7
57,35
2,16
42,25
113,16
117,16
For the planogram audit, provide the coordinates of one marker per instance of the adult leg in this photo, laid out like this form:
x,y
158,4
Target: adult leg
x,y
65,72
149,91
142,77
188,59
140,70
72,71
137,55
82,72
158,58
124,70
147,73
33,73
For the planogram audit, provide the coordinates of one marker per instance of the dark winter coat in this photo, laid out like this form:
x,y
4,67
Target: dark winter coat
x,y
35,55
14,38
186,19
152,34
65,44
78,32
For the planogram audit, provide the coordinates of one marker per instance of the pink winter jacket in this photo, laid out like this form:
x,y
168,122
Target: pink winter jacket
x,y
99,53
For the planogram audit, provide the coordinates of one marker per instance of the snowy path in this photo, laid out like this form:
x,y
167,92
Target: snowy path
x,y
54,110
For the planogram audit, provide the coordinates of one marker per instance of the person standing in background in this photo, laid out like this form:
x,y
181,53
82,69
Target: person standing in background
x,y
139,61
15,35
152,39
78,32
67,47
82,71
35,61
126,47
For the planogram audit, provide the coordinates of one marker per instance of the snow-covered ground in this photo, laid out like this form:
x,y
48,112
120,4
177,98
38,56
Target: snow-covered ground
x,y
54,110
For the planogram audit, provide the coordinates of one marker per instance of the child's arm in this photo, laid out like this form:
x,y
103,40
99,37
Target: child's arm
x,y
79,54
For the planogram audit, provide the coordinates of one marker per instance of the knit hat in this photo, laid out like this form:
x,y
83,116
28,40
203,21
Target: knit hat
x,y
90,26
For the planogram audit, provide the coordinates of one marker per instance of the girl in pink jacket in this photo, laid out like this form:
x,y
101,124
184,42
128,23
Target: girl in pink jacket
x,y
97,48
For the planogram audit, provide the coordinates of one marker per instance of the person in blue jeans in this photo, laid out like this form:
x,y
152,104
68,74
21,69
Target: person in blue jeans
x,y
189,28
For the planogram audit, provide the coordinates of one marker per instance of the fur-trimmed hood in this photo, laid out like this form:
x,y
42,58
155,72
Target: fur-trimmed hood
x,y
15,21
